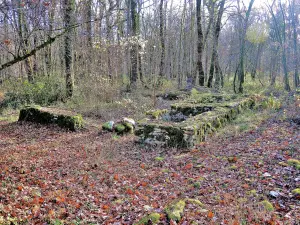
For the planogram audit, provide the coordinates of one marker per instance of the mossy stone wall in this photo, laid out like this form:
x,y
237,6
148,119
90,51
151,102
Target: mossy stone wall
x,y
49,116
195,129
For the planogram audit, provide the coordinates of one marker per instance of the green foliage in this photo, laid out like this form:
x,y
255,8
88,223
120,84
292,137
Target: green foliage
x,y
44,91
257,33
197,185
271,103
194,93
57,222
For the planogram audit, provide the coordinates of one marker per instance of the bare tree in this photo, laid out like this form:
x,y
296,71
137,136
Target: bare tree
x,y
280,31
294,20
68,54
214,65
199,43
240,69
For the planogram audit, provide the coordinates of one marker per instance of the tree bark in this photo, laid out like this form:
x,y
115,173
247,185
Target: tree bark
x,y
24,42
162,39
256,60
294,16
181,37
134,47
215,65
199,43
68,51
241,71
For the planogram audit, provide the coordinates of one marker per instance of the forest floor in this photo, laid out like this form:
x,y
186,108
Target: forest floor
x,y
51,176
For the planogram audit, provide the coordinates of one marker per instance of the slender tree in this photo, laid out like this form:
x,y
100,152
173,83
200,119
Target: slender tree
x,y
240,69
69,7
162,38
199,43
294,19
215,65
280,31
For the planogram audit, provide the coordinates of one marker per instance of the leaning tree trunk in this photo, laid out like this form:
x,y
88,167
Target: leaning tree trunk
x,y
68,18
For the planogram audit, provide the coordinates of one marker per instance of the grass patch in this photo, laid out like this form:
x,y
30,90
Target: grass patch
x,y
245,122
9,115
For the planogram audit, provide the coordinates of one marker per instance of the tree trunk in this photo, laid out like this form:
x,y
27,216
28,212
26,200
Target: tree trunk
x,y
68,19
214,65
199,43
134,47
162,39
181,36
294,16
24,42
284,63
241,71
256,60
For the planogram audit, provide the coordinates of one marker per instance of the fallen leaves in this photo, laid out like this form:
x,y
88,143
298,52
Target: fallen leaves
x,y
210,214
188,166
63,184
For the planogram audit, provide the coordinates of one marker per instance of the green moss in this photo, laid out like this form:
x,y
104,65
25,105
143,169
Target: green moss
x,y
294,162
49,116
207,118
120,128
195,202
159,158
251,192
153,217
129,127
197,185
233,167
267,205
175,210
156,113
108,125
283,164
296,191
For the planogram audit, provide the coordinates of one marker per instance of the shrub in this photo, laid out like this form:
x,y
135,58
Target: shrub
x,y
44,91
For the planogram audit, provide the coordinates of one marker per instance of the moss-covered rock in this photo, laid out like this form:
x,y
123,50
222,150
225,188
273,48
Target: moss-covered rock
x,y
267,205
174,211
120,128
153,217
109,126
128,127
43,115
206,120
156,114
